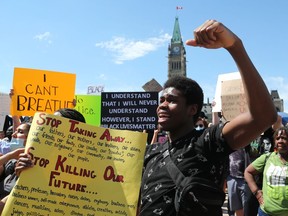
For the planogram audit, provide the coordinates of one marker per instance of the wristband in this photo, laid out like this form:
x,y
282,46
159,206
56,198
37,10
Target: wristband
x,y
255,193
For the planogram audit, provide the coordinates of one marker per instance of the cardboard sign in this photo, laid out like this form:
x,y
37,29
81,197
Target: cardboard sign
x,y
5,103
40,90
90,107
78,169
129,110
233,99
4,108
217,104
152,86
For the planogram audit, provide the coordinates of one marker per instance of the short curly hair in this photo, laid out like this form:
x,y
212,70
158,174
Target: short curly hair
x,y
190,89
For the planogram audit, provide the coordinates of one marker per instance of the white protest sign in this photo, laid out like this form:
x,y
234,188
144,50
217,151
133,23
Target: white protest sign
x,y
95,90
4,108
233,99
217,107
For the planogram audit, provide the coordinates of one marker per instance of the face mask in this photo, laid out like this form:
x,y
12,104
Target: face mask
x,y
199,127
16,143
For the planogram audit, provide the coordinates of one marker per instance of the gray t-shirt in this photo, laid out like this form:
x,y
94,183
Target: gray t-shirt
x,y
237,163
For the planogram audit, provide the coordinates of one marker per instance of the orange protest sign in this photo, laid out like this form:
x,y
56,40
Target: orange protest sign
x,y
41,90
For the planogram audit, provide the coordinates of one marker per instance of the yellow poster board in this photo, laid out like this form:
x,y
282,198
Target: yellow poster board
x,y
41,90
79,169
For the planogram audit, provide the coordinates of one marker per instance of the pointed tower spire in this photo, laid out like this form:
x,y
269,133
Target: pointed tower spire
x,y
176,38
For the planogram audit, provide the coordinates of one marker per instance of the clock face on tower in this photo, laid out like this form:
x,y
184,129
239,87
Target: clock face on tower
x,y
176,49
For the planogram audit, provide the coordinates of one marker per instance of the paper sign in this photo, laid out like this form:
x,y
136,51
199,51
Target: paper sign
x,y
95,90
90,107
2,121
216,105
5,103
78,169
233,99
4,108
41,90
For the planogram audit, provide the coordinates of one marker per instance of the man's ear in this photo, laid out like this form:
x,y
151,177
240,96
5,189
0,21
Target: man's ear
x,y
193,108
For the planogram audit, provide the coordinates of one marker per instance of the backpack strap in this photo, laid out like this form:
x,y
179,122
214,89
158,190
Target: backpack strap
x,y
179,179
176,175
182,182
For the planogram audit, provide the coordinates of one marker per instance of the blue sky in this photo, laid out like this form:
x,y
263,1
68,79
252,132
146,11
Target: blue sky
x,y
123,44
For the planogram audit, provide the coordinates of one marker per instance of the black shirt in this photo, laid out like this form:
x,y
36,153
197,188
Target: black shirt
x,y
203,155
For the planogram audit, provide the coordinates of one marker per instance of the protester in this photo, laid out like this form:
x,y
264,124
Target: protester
x,y
8,176
201,124
236,182
9,142
261,145
8,134
202,157
272,197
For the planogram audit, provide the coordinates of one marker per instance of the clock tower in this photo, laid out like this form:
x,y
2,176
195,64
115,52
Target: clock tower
x,y
176,53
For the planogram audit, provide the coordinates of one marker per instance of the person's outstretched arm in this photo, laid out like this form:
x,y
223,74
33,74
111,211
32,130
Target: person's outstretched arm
x,y
262,113
11,155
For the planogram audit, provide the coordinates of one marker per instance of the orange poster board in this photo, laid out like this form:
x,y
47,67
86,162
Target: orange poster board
x,y
41,90
79,169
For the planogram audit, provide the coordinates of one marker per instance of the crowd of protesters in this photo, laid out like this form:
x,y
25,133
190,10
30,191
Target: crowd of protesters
x,y
200,151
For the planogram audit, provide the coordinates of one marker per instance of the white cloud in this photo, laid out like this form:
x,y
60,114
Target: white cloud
x,y
126,49
102,77
44,37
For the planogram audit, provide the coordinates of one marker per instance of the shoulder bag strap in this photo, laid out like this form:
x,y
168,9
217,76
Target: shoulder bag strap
x,y
176,175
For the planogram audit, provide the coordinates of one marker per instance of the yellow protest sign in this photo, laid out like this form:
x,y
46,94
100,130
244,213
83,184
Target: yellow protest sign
x,y
79,169
41,90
